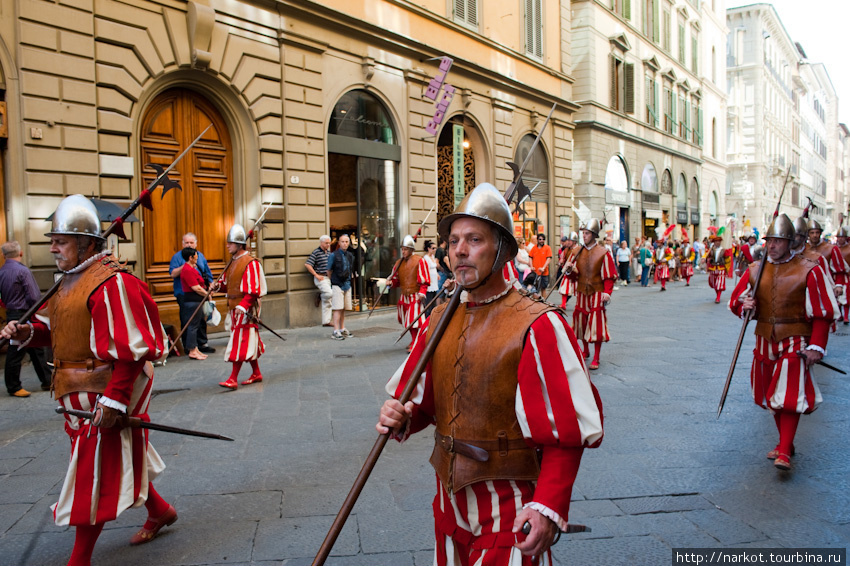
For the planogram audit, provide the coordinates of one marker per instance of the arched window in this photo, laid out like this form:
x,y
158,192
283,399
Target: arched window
x,y
649,179
667,183
681,191
713,206
694,202
616,175
535,217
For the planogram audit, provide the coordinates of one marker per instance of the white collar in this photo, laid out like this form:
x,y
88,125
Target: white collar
x,y
464,298
590,247
780,262
81,267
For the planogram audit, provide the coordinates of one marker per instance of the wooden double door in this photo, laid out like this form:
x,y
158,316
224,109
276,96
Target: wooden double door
x,y
205,205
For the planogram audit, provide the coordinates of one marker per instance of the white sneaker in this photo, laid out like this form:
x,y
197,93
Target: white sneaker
x,y
346,333
337,335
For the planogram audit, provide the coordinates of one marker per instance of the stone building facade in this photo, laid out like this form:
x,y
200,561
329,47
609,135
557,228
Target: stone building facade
x,y
319,108
643,152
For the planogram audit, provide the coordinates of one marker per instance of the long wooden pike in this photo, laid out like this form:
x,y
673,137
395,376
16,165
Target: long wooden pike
x,y
424,310
749,314
117,225
381,442
378,300
256,228
516,184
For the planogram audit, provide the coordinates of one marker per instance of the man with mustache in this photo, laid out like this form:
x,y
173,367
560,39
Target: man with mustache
x,y
105,331
504,363
794,306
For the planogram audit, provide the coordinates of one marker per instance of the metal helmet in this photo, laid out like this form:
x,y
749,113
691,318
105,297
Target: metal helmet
x,y
486,203
573,236
757,252
408,242
753,235
801,226
814,225
76,216
781,227
237,235
842,232
592,225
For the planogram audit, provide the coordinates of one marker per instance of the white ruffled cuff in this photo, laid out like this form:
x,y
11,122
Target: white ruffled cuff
x,y
112,404
816,348
241,308
548,513
24,343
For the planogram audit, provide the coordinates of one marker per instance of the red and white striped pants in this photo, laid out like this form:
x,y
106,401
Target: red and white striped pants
x,y
717,279
779,378
590,322
110,468
473,527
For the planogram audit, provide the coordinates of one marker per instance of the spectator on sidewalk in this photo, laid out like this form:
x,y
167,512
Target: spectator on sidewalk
x,y
624,258
540,256
434,287
174,269
19,292
194,291
317,265
646,261
339,273
442,267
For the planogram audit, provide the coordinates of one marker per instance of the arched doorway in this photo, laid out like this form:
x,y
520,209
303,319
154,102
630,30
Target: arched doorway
x,y
363,164
681,202
205,205
694,206
535,217
455,177
651,215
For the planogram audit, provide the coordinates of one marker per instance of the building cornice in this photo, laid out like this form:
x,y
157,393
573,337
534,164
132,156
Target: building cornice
x,y
319,14
596,125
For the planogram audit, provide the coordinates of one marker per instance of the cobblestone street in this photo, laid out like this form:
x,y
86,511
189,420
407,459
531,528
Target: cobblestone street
x,y
668,474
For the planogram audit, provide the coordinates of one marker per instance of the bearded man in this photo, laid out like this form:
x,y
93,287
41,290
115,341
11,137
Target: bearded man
x,y
105,332
503,462
794,307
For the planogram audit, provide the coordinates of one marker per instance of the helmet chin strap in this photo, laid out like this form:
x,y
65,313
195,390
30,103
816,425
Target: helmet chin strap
x,y
493,270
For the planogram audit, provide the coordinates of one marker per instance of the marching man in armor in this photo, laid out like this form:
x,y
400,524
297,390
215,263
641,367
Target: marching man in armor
x,y
411,275
844,247
499,463
688,257
594,274
105,332
717,261
244,282
663,258
568,284
794,306
838,268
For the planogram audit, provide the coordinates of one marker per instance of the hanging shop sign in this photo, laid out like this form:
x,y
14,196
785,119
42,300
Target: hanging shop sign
x,y
433,91
457,162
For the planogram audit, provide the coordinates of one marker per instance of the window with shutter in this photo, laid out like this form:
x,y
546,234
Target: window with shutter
x,y
654,9
629,87
695,53
657,108
686,115
466,12
672,111
667,24
534,28
699,130
681,43
627,9
615,82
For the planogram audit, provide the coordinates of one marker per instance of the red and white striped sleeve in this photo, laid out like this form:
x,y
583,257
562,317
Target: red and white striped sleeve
x,y
253,284
424,276
511,275
558,409
821,306
741,289
837,264
125,330
423,394
609,273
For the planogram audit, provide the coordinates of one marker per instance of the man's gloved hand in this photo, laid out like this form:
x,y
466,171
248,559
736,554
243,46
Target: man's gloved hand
x,y
106,417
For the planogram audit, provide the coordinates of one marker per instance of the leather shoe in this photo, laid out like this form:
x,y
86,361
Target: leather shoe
x,y
772,455
231,383
21,393
255,378
45,387
206,349
146,535
782,462
594,365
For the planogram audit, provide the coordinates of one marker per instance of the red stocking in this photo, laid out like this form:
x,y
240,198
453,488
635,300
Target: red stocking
x,y
563,301
787,430
84,544
413,333
687,281
846,309
255,367
155,505
585,349
663,283
718,297
597,348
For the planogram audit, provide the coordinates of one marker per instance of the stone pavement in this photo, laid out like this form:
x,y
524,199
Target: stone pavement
x,y
668,474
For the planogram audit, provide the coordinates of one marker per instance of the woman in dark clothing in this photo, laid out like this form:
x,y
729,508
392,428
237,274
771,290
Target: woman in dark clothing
x,y
193,294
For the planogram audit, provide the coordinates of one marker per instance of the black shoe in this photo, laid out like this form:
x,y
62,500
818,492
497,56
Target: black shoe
x,y
206,349
45,387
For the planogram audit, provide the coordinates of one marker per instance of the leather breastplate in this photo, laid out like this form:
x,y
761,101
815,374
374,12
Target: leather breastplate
x,y
823,248
75,367
408,274
781,299
474,372
589,268
234,280
845,251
